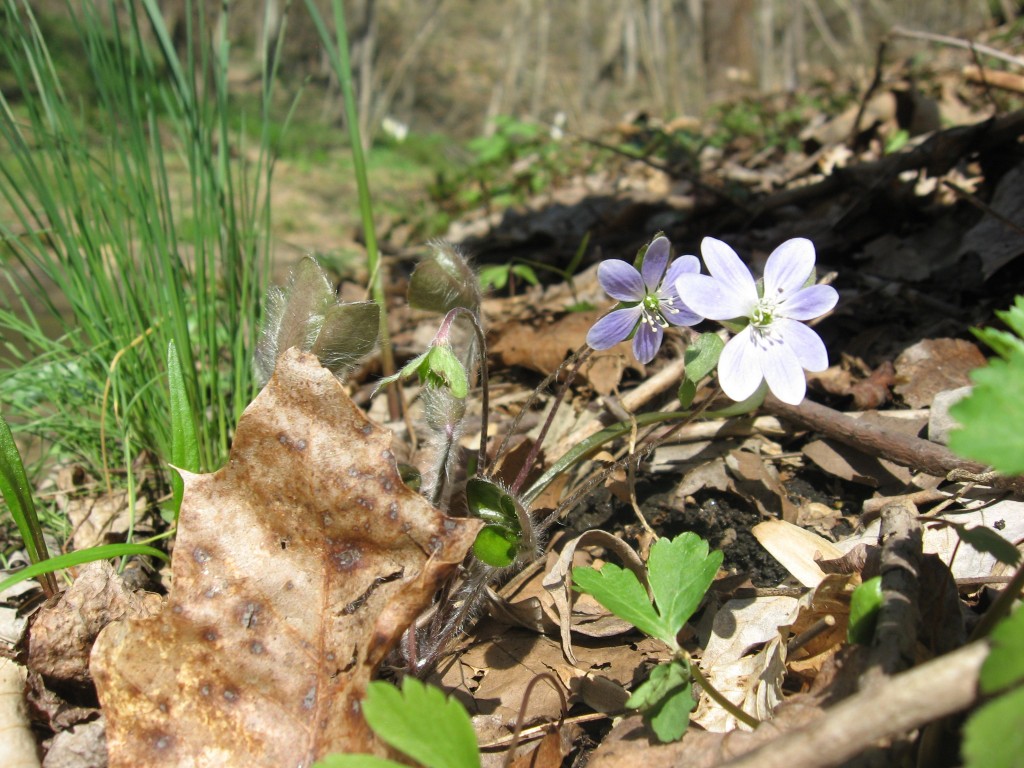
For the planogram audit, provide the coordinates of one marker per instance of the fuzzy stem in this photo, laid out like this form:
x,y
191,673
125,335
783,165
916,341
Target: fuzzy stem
x,y
474,319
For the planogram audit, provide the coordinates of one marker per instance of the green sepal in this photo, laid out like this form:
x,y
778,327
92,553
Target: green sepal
x,y
443,365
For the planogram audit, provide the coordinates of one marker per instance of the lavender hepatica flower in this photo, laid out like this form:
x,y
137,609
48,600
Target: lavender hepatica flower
x,y
650,298
775,346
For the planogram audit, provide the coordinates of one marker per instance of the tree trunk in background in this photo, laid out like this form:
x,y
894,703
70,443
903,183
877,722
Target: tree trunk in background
x,y
730,53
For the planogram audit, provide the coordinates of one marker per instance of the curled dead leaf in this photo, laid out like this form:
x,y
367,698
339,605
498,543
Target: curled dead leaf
x,y
297,567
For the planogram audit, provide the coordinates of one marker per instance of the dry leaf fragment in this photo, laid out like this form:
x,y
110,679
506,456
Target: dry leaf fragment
x,y
63,633
297,567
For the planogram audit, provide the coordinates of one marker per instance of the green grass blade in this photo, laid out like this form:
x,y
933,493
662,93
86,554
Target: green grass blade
x,y
16,492
104,552
185,443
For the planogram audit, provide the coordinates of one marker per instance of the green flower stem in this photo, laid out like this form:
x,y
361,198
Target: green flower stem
x,y
719,699
339,57
592,443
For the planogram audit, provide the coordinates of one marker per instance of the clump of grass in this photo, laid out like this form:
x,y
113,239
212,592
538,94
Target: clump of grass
x,y
131,223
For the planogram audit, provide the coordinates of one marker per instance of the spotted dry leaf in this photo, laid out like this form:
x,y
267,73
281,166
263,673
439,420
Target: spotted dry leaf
x,y
296,569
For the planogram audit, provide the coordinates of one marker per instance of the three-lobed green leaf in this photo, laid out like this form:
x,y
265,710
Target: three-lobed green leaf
x,y
419,721
680,570
992,416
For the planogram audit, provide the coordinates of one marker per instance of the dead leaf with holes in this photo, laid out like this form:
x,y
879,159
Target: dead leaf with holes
x,y
297,567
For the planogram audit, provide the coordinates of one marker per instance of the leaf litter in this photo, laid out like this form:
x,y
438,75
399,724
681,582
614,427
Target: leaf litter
x,y
280,609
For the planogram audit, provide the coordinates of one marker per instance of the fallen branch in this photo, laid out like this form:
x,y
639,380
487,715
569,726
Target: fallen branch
x,y
933,690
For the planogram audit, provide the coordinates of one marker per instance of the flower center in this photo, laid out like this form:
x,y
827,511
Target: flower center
x,y
652,310
763,314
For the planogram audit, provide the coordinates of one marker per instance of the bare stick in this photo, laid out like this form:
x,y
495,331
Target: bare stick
x,y
957,42
936,689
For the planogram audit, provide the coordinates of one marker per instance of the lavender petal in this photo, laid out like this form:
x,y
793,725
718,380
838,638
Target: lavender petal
x,y
655,260
613,327
788,267
621,280
647,342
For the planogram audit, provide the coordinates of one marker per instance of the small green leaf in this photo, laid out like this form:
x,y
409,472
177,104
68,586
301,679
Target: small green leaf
x,y
992,416
994,735
443,363
348,333
701,357
665,700
680,571
687,391
525,272
864,606
1004,665
184,440
495,275
496,545
423,723
619,590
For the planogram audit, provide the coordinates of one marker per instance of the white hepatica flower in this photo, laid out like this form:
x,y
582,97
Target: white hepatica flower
x,y
775,346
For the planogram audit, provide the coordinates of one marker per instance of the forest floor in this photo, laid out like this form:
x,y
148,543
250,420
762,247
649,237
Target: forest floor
x,y
914,200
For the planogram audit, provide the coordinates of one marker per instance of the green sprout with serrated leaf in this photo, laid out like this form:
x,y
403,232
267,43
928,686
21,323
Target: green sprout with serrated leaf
x,y
679,573
418,720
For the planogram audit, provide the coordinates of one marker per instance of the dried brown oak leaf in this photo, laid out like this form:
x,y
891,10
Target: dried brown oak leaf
x,y
296,569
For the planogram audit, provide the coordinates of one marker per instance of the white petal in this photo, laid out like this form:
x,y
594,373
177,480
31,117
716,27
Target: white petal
x,y
726,267
805,344
783,373
809,303
788,267
711,298
739,367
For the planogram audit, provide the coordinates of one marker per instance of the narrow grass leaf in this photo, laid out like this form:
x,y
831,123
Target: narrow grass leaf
x,y
103,552
620,591
184,441
16,491
423,723
680,570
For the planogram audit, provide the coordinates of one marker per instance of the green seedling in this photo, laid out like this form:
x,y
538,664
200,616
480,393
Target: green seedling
x,y
679,573
994,734
419,721
992,416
